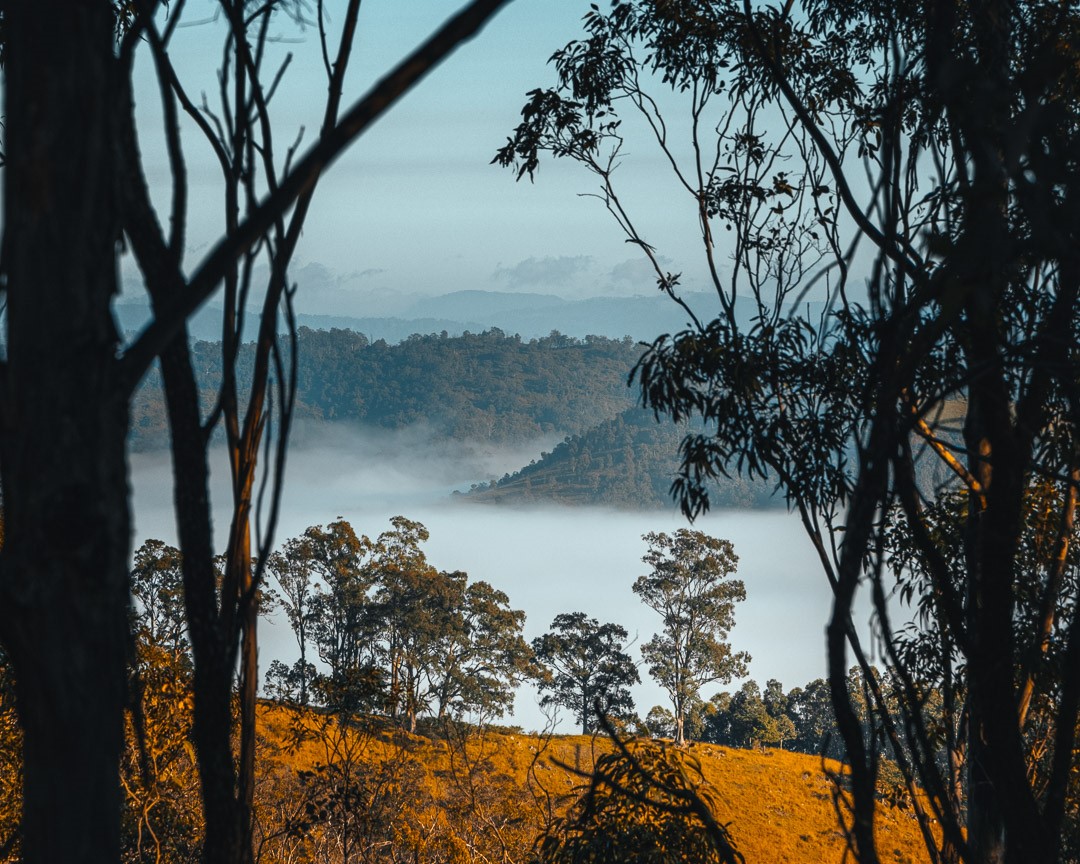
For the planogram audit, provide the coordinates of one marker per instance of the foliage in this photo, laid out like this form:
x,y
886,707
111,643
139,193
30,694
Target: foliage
x,y
10,766
469,794
646,802
75,171
587,667
746,720
162,819
157,589
292,570
810,708
628,461
690,588
395,634
910,167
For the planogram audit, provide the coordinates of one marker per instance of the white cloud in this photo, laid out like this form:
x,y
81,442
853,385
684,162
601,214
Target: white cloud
x,y
549,272
636,273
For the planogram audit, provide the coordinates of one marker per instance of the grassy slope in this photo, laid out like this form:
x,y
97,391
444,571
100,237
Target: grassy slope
x,y
779,805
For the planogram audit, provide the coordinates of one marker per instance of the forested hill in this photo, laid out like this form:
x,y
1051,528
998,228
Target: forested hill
x,y
487,386
628,462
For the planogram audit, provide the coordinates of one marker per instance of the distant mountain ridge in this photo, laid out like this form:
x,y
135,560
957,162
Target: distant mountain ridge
x,y
530,315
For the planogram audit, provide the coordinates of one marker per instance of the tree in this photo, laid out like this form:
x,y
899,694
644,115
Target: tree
x,y
750,721
292,573
163,818
877,335
815,726
778,707
645,802
74,193
690,588
414,607
157,589
338,615
481,661
395,633
586,666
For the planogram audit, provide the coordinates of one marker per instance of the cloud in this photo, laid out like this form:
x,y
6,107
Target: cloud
x,y
550,271
636,272
371,271
314,276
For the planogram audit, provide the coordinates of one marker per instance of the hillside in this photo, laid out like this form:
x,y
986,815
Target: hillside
x,y
500,785
626,462
485,387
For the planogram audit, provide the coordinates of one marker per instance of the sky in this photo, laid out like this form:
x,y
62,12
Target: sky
x,y
414,207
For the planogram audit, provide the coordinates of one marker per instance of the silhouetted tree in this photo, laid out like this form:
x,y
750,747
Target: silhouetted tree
x,y
914,324
645,802
74,193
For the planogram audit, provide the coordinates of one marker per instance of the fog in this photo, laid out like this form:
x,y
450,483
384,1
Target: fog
x,y
547,559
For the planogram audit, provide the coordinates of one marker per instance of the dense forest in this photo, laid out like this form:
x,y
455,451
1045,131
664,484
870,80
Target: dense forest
x,y
486,386
628,462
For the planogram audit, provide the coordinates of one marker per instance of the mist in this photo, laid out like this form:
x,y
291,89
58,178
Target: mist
x,y
547,559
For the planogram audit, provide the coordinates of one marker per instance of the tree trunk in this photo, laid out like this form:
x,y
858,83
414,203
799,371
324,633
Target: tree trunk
x,y
210,640
680,725
63,568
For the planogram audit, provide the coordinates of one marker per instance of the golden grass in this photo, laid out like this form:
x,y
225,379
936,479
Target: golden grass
x,y
778,805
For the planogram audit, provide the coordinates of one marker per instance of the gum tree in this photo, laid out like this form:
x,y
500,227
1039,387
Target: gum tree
x,y
887,202
587,665
690,587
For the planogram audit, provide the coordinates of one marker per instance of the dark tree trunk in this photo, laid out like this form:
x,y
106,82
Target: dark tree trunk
x,y
63,569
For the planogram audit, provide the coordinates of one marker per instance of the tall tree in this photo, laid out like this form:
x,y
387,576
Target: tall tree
x,y
900,195
343,624
296,595
74,189
587,665
690,588
395,633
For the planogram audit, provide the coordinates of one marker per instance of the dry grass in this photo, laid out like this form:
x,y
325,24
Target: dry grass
x,y
778,805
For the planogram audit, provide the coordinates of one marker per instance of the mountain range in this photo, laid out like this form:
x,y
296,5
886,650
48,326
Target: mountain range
x,y
529,315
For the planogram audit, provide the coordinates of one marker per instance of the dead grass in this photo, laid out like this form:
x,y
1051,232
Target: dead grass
x,y
778,805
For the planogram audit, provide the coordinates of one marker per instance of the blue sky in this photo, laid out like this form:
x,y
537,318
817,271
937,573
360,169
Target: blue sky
x,y
414,207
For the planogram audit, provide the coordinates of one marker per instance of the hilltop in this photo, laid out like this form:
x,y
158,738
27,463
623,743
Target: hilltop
x,y
480,386
627,462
